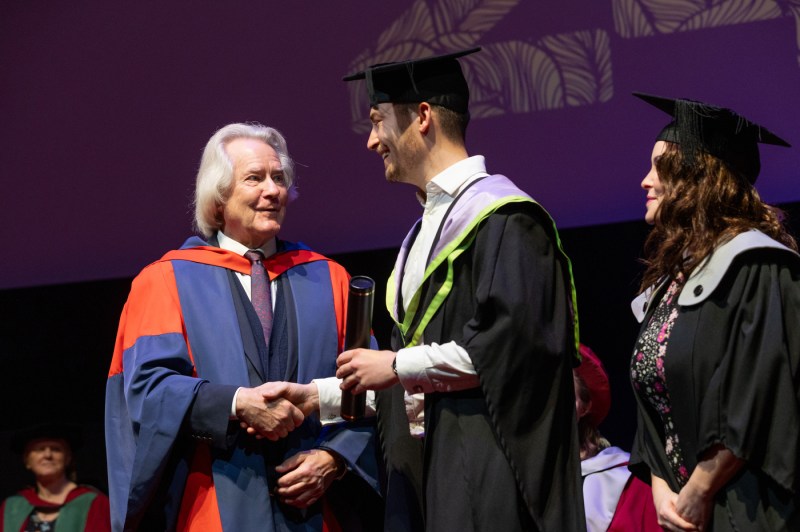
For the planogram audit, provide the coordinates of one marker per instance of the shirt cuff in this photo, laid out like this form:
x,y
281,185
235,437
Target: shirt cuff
x,y
233,404
330,399
435,368
411,365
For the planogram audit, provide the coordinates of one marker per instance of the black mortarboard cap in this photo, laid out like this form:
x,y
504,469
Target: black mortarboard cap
x,y
49,430
437,80
725,134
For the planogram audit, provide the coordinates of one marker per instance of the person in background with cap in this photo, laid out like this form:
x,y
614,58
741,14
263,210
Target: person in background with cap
x,y
715,367
205,332
485,330
614,500
56,503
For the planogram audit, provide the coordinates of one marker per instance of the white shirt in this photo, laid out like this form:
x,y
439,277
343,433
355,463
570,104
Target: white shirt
x,y
268,249
423,368
436,367
330,400
328,388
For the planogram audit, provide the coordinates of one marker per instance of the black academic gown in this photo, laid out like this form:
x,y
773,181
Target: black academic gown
x,y
733,371
503,456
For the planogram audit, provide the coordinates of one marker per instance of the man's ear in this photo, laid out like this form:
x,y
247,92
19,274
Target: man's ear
x,y
424,112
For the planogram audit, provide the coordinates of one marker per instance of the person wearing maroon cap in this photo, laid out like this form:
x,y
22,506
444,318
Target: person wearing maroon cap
x,y
613,499
592,401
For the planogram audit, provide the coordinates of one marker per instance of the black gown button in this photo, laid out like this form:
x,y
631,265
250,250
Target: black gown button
x,y
698,290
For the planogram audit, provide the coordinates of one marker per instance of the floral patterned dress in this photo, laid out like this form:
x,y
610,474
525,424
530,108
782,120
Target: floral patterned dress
x,y
648,375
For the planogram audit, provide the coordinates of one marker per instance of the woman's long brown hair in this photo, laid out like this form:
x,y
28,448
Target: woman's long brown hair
x,y
704,204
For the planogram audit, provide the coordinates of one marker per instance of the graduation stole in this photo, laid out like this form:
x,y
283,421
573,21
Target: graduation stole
x,y
275,264
449,254
72,514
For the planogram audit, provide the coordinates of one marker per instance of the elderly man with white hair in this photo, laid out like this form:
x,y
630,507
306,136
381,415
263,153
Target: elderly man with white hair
x,y
196,438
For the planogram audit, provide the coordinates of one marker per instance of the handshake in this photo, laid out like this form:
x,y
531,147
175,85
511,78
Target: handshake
x,y
274,409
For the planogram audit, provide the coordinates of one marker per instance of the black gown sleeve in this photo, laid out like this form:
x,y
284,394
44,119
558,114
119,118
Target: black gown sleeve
x,y
521,341
751,398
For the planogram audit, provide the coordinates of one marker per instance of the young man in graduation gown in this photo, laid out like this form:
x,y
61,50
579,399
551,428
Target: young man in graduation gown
x,y
485,329
204,328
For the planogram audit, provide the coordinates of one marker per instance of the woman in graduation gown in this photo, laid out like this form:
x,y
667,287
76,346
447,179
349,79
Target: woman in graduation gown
x,y
716,367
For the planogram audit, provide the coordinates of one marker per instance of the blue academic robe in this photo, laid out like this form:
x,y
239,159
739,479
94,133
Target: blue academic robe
x,y
185,343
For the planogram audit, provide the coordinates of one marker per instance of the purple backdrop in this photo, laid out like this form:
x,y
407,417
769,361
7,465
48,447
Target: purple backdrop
x,y
105,108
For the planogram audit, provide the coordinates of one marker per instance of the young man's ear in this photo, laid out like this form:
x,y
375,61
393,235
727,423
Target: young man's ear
x,y
424,112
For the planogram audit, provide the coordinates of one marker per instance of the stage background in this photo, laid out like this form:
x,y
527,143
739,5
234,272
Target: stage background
x,y
105,108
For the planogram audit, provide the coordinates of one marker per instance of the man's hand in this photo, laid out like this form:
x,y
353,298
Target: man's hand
x,y
306,476
303,396
271,419
366,369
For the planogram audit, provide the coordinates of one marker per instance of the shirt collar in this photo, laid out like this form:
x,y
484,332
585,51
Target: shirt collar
x,y
454,177
226,242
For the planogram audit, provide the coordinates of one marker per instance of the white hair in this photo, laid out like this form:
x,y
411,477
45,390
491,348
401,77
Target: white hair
x,y
215,175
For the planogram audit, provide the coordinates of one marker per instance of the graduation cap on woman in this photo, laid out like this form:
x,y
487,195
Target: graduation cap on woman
x,y
437,80
721,132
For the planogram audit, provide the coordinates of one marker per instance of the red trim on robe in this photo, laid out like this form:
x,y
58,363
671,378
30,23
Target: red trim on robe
x,y
340,277
152,316
163,315
329,521
199,509
275,264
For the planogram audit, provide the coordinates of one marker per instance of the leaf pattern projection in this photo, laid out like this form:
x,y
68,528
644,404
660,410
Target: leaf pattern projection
x,y
669,14
584,59
513,76
641,18
415,25
405,37
460,23
733,12
630,19
793,8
